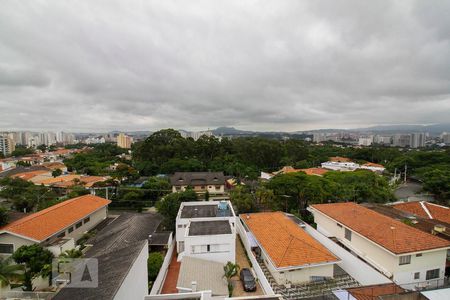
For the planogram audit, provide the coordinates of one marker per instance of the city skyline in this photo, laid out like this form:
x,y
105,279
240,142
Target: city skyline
x,y
278,66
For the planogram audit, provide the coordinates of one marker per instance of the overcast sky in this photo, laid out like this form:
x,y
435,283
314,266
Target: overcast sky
x,y
260,65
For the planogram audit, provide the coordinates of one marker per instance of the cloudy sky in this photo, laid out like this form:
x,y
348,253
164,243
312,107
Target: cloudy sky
x,y
261,65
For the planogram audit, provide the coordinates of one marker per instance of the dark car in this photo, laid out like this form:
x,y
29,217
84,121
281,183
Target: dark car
x,y
248,280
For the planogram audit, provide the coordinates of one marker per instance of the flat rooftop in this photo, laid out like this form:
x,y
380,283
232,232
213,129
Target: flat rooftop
x,y
209,228
205,211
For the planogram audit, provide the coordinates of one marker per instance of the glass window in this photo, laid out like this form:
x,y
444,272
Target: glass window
x,y
418,254
417,275
348,234
71,229
208,248
62,234
6,248
405,260
87,220
432,274
78,225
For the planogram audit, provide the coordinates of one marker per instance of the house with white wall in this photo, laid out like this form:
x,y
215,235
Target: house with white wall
x,y
56,227
340,164
410,257
201,211
212,240
288,251
200,182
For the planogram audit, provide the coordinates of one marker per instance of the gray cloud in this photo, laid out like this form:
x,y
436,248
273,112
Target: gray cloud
x,y
273,65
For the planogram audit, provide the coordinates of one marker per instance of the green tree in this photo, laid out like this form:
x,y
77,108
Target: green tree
x,y
22,151
42,147
154,263
36,261
10,272
242,198
169,205
56,173
230,270
4,217
156,187
438,182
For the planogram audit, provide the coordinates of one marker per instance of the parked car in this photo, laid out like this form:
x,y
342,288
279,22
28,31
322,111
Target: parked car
x,y
248,280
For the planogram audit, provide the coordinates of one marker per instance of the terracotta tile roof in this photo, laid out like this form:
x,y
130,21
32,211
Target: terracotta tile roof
x,y
426,210
285,242
45,223
391,234
370,164
315,171
340,159
29,175
54,165
372,292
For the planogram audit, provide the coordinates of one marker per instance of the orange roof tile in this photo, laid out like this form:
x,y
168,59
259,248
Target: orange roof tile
x,y
391,234
371,164
372,292
438,212
315,171
63,178
29,175
45,223
340,159
285,242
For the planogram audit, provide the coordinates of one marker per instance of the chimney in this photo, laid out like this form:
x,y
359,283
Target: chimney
x,y
194,286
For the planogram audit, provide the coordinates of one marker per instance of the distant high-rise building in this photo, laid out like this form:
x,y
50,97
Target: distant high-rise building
x,y
319,137
7,145
382,140
401,140
365,140
124,141
417,140
445,136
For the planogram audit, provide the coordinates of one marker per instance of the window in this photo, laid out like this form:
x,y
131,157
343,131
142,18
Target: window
x,y
417,275
6,248
405,260
180,226
61,235
217,187
208,248
432,274
78,225
418,254
86,220
339,225
181,246
70,229
348,234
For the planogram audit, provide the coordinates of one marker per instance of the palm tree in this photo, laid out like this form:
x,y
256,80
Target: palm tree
x,y
10,272
230,270
72,253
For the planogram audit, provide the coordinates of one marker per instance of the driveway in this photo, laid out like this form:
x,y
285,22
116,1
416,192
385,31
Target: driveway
x,y
243,262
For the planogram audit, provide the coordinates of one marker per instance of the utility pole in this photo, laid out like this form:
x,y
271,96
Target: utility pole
x,y
406,169
107,192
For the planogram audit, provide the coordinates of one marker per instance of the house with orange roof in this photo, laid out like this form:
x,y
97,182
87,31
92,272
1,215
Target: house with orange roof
x,y
426,210
410,257
290,254
56,227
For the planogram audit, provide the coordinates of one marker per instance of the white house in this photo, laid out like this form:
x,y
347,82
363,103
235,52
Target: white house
x,y
197,236
410,257
288,251
340,164
200,182
56,227
213,240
